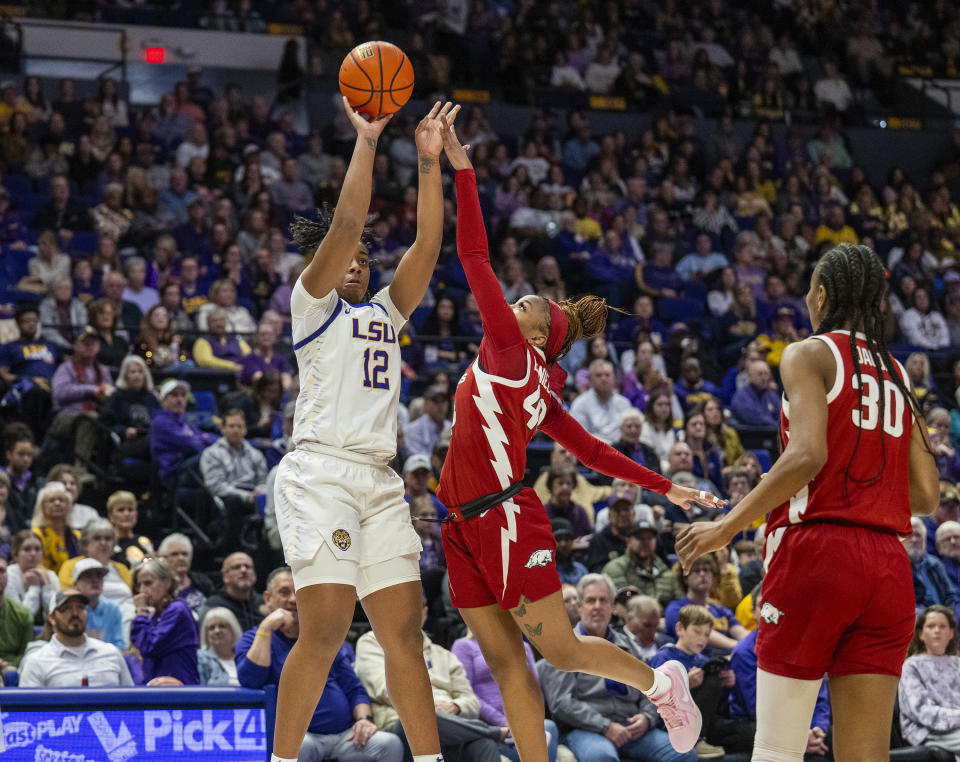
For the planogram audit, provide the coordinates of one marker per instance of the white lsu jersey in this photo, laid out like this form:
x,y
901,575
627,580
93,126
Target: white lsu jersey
x,y
349,360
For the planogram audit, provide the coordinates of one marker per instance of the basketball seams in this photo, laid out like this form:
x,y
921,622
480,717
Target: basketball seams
x,y
403,60
380,61
360,67
354,88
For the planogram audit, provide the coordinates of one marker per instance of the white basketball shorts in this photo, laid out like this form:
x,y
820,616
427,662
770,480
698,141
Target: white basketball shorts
x,y
343,519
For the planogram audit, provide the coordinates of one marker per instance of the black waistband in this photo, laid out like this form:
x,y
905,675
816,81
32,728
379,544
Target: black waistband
x,y
486,502
479,505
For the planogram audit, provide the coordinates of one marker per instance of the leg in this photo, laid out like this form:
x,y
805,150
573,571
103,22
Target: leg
x,y
546,624
395,615
654,746
784,709
591,746
503,651
859,734
326,611
316,747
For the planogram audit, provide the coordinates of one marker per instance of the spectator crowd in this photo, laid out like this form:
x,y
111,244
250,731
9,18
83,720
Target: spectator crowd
x,y
148,383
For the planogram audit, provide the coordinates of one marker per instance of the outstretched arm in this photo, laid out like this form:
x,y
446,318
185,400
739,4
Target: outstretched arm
x,y
805,369
499,323
416,267
598,455
339,246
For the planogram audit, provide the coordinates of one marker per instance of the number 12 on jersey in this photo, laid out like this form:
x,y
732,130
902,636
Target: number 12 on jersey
x,y
375,377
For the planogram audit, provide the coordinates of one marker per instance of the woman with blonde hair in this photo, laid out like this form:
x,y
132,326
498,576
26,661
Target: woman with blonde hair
x,y
70,477
130,548
163,630
223,295
219,633
51,523
129,410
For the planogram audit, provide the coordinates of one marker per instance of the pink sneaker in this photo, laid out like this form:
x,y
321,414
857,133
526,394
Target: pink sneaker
x,y
680,714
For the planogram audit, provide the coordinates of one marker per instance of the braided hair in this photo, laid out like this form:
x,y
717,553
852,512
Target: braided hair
x,y
586,316
854,280
307,234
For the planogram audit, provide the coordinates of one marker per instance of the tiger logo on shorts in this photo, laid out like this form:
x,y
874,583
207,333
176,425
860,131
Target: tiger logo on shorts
x,y
341,538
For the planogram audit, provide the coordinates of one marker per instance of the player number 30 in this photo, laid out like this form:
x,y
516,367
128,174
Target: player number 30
x,y
894,405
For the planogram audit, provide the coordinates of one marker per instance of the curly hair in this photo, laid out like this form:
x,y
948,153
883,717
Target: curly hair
x,y
307,234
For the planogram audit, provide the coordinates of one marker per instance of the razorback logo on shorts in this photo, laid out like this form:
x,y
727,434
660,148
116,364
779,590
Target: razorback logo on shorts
x,y
539,558
770,613
341,538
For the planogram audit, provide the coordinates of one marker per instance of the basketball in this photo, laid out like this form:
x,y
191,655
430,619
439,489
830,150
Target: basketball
x,y
376,78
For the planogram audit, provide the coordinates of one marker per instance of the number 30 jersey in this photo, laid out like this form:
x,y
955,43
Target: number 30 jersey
x,y
875,444
349,360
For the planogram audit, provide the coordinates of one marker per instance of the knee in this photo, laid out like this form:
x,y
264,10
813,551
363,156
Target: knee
x,y
401,638
507,667
562,653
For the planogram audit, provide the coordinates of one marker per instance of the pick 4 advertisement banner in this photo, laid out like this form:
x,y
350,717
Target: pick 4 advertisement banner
x,y
119,735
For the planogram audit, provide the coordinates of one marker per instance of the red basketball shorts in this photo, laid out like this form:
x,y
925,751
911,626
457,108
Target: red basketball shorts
x,y
836,599
506,553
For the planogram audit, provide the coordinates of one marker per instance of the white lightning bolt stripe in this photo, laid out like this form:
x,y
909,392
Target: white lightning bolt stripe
x,y
489,408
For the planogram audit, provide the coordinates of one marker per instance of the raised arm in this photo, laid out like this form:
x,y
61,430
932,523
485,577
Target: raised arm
x,y
339,246
499,323
416,267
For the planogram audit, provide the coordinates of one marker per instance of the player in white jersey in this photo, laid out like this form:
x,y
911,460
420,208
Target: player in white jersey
x,y
344,523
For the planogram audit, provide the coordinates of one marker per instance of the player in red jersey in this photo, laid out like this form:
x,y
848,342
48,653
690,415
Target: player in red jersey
x,y
499,545
856,463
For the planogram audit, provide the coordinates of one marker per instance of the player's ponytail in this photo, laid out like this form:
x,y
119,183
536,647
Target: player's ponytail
x,y
586,317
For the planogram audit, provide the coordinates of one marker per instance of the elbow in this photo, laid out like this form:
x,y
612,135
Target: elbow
x,y
807,462
925,500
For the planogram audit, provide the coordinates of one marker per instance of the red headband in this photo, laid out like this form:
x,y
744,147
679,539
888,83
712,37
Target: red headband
x,y
558,330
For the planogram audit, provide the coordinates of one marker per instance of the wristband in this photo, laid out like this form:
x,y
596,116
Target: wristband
x,y
263,633
364,717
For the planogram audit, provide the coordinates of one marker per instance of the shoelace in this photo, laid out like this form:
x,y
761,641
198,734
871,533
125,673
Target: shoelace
x,y
672,716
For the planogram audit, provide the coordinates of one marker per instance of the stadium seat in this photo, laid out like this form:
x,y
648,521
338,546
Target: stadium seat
x,y
18,185
681,310
206,402
83,243
763,457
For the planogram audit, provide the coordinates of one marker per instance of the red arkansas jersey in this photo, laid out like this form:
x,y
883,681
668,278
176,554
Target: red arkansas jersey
x,y
878,448
495,418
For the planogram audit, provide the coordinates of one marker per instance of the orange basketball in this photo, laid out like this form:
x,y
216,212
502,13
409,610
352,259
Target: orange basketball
x,y
376,77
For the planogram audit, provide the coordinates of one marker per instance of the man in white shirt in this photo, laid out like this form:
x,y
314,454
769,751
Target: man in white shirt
x,y
786,57
833,89
71,658
600,408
